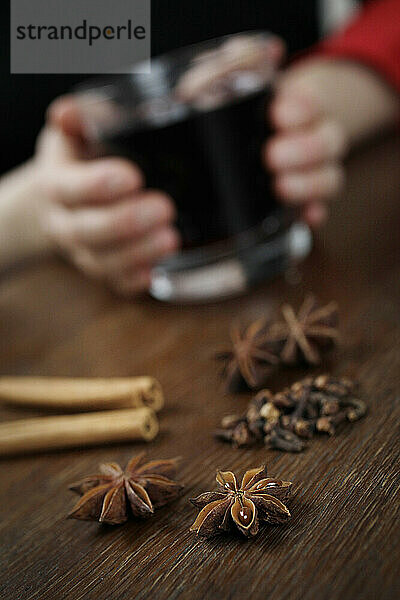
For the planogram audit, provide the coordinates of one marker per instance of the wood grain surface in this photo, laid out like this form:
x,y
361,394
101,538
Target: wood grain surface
x,y
343,539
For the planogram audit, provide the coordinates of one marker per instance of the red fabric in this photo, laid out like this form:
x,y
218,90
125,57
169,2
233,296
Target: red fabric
x,y
373,38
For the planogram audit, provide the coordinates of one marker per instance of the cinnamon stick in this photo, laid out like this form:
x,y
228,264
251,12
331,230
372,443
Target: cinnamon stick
x,y
67,431
81,394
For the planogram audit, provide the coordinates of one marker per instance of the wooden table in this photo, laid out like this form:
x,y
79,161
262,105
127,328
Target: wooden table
x,y
342,542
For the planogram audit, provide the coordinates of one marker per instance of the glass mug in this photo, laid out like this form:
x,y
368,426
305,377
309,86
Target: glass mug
x,y
195,126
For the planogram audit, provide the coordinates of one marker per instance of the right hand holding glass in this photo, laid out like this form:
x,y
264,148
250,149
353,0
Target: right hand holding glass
x,y
305,153
322,107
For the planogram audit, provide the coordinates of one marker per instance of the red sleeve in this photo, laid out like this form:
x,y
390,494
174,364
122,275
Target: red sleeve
x,y
373,38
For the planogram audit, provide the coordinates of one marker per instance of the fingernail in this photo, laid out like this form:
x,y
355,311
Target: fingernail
x,y
284,154
294,185
144,278
115,179
169,240
316,214
291,112
119,183
154,208
148,215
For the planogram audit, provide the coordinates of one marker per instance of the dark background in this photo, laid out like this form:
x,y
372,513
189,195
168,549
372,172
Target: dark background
x,y
24,98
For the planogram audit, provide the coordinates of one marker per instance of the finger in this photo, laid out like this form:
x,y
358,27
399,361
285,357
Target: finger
x,y
92,182
276,50
132,282
100,227
252,51
298,149
242,52
153,247
87,262
290,110
315,214
125,283
54,148
315,184
64,113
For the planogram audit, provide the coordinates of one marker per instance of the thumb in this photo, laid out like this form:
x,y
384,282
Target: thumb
x,y
64,114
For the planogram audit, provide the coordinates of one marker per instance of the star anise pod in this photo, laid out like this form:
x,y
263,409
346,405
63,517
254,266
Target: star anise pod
x,y
111,495
302,337
259,498
249,361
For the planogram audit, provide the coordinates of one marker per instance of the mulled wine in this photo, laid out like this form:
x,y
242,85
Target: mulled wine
x,y
209,163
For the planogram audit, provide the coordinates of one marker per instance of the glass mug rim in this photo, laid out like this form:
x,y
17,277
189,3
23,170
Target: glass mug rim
x,y
157,85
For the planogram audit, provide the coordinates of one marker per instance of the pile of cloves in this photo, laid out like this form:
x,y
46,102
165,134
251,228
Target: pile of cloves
x,y
285,420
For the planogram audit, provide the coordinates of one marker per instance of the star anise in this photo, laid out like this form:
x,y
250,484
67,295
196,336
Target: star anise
x,y
259,498
302,337
250,361
111,495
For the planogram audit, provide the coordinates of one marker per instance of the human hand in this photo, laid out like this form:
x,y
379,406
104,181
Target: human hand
x,y
97,211
306,151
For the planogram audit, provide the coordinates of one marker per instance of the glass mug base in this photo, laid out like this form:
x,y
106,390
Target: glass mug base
x,y
229,269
